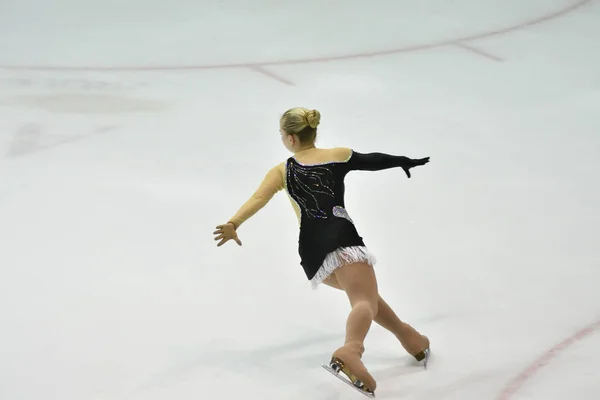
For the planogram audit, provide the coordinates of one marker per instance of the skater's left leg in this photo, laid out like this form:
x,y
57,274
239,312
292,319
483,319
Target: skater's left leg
x,y
385,315
359,282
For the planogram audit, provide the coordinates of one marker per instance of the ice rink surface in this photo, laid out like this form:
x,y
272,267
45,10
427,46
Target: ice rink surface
x,y
129,130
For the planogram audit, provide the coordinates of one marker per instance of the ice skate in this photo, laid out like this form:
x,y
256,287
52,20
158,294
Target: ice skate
x,y
347,359
422,355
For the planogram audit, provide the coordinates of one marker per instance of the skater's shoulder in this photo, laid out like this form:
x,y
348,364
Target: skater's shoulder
x,y
274,178
340,153
278,170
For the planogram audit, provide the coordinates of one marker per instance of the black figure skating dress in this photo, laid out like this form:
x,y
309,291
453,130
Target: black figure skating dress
x,y
328,237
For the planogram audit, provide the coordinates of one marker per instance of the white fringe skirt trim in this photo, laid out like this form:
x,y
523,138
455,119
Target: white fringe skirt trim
x,y
340,257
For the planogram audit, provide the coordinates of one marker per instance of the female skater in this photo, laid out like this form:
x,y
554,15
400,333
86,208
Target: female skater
x,y
330,248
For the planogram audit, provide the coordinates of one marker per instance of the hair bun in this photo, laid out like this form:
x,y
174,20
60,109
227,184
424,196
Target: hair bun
x,y
313,117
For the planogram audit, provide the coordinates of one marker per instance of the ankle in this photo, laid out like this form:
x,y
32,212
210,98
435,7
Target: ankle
x,y
355,346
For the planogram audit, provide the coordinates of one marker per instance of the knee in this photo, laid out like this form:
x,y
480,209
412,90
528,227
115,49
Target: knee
x,y
369,305
374,307
373,300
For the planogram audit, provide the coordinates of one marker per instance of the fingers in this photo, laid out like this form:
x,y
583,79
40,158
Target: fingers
x,y
420,161
225,233
226,239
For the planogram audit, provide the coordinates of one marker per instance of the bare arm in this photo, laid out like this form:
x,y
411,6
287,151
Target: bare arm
x,y
271,184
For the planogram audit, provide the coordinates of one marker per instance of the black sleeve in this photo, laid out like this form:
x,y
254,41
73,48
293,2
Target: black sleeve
x,y
377,162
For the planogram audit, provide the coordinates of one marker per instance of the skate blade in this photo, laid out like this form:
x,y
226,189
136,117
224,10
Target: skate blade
x,y
348,382
423,356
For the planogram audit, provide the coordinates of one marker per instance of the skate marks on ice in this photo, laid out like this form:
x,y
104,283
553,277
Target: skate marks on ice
x,y
261,364
411,389
279,363
85,104
278,366
77,96
68,100
435,391
32,138
306,351
24,82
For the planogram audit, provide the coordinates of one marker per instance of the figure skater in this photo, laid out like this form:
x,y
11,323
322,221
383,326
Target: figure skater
x,y
330,248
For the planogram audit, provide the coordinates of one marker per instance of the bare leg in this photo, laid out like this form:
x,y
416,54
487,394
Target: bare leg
x,y
359,282
412,341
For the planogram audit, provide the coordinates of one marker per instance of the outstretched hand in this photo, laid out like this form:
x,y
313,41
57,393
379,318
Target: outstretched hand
x,y
415,163
226,233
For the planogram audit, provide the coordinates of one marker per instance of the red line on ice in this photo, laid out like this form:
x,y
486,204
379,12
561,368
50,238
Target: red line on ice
x,y
270,74
478,51
541,19
518,381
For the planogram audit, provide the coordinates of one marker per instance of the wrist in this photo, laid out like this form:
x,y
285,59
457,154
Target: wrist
x,y
232,224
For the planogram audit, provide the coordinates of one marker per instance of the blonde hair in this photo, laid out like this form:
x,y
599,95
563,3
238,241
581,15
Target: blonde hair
x,y
302,122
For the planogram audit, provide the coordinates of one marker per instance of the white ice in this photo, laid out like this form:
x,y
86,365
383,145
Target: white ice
x,y
130,129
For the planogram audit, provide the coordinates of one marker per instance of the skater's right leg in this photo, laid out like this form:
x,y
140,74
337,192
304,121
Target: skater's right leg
x,y
412,341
